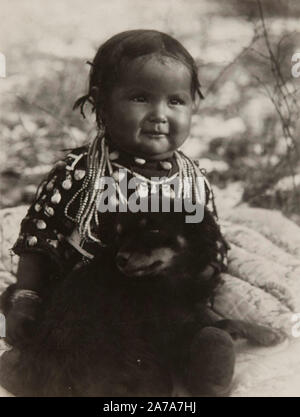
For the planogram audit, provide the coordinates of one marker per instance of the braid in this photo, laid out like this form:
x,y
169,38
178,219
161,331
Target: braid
x,y
89,97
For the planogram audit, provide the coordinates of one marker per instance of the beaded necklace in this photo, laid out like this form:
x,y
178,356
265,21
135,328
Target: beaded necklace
x,y
99,165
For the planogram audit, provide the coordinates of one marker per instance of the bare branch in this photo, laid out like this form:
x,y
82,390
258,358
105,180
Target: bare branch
x,y
212,86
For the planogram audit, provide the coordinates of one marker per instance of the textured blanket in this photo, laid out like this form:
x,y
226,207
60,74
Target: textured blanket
x,y
262,286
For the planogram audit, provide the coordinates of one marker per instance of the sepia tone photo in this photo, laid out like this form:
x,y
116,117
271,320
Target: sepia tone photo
x,y
150,198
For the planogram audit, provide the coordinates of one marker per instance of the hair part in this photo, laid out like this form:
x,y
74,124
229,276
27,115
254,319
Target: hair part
x,y
113,56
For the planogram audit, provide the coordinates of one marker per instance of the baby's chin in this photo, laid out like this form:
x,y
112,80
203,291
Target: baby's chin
x,y
157,152
147,147
160,156
149,154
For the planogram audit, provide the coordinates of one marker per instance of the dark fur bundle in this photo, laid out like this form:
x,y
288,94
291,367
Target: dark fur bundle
x,y
122,325
135,318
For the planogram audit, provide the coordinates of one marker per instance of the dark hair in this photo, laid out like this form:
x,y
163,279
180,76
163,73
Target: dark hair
x,y
116,52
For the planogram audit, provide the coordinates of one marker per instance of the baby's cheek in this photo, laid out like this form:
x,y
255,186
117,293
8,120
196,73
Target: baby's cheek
x,y
133,115
181,125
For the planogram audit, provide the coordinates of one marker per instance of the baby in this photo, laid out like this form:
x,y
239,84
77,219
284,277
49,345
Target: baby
x,y
143,88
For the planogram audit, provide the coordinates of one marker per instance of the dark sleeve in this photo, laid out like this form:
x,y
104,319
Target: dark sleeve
x,y
220,263
51,217
209,194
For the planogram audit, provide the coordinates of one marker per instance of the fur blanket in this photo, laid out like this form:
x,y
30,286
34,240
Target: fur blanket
x,y
262,285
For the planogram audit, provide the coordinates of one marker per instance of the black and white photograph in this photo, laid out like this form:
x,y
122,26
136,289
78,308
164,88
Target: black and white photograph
x,y
150,200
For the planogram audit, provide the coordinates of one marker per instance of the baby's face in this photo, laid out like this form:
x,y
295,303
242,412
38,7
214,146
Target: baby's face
x,y
149,111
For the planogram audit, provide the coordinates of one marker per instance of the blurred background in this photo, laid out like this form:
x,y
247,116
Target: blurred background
x,y
246,131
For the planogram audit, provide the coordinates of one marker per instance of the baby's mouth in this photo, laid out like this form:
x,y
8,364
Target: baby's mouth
x,y
156,131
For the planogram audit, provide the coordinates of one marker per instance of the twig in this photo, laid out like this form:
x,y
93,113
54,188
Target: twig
x,y
47,111
285,128
281,92
212,86
276,70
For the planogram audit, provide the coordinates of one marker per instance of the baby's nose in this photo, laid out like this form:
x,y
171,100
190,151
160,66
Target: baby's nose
x,y
158,119
158,114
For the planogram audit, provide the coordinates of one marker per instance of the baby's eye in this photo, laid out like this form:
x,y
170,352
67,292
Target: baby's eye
x,y
139,99
176,101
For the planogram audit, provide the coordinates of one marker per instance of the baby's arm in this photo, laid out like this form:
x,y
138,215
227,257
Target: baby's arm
x,y
45,255
23,301
31,271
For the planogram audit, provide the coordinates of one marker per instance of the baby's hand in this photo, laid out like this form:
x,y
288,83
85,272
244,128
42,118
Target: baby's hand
x,y
21,318
19,328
